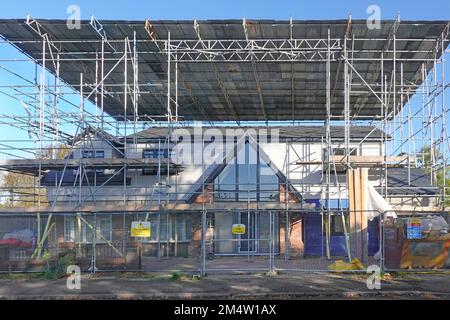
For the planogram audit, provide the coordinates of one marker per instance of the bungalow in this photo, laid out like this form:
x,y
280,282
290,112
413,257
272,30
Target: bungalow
x,y
270,183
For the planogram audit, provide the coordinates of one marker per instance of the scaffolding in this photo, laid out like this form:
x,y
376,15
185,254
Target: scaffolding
x,y
394,81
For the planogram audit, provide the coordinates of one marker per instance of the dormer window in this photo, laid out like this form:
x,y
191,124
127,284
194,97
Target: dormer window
x,y
341,151
157,153
91,154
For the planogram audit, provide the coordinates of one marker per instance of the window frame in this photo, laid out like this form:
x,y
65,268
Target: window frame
x,y
158,153
239,193
83,238
96,154
340,151
186,226
167,153
333,224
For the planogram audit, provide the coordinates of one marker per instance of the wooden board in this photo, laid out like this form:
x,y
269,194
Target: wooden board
x,y
357,182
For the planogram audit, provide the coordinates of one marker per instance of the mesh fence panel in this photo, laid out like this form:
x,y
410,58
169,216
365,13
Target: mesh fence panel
x,y
329,241
234,241
416,242
240,241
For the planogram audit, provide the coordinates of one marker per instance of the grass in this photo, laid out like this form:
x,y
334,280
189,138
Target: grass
x,y
178,276
399,275
54,270
175,276
52,274
58,269
141,275
23,276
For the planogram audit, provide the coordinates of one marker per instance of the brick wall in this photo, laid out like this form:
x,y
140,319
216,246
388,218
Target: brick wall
x,y
296,248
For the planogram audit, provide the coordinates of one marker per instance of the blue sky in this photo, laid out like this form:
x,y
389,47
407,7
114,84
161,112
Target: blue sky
x,y
196,9
185,9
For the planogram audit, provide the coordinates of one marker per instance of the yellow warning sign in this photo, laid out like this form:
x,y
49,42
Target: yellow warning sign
x,y
140,229
238,229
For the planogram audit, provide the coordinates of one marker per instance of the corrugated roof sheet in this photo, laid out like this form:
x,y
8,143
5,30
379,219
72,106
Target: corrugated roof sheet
x,y
357,133
420,182
201,97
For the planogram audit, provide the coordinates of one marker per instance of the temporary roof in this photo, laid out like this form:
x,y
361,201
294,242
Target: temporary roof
x,y
246,87
418,183
35,166
292,133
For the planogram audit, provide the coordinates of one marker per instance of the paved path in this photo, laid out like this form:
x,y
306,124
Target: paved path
x,y
300,286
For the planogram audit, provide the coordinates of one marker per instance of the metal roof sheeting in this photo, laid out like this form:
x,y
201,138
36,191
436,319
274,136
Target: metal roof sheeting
x,y
419,182
290,90
357,133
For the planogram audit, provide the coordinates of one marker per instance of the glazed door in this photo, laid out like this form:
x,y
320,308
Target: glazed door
x,y
248,242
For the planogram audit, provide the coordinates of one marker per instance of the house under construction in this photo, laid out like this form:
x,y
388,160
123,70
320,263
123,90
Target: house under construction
x,y
235,145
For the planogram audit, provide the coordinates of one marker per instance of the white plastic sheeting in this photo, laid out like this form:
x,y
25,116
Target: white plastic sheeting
x,y
434,223
376,204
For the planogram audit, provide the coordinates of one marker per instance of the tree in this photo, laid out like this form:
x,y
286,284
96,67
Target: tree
x,y
432,158
22,190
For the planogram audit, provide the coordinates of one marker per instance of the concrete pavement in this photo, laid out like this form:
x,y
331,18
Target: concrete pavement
x,y
283,286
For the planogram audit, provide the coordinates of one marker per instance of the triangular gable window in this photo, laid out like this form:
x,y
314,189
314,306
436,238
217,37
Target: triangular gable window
x,y
247,177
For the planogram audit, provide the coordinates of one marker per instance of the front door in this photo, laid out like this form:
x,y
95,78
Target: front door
x,y
248,242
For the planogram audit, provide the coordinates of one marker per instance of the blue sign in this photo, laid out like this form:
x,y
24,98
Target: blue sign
x,y
414,229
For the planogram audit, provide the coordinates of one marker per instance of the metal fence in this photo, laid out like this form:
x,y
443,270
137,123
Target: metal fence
x,y
240,241
416,242
226,241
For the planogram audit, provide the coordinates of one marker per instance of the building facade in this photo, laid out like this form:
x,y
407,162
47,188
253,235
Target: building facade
x,y
272,184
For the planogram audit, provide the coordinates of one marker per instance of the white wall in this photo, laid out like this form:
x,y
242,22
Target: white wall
x,y
306,178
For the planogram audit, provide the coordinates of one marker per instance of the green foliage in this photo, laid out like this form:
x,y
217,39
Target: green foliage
x,y
429,156
46,255
22,276
54,152
432,157
176,276
21,189
58,269
196,277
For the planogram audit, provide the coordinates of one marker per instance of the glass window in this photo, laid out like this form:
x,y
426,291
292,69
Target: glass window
x,y
183,226
80,231
177,227
341,151
154,229
337,227
69,229
225,184
104,228
247,175
251,179
91,154
165,228
157,153
268,182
